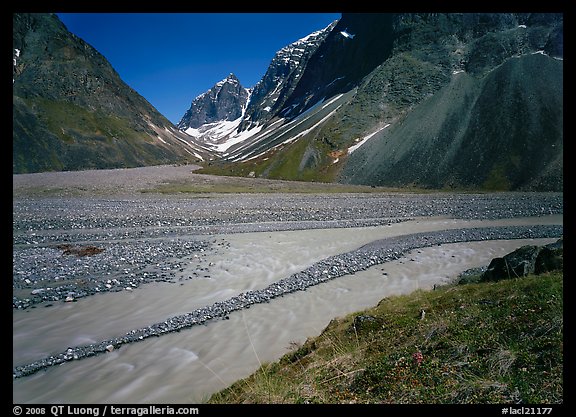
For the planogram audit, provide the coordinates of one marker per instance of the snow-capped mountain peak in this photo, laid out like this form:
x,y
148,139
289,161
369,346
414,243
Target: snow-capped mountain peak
x,y
282,76
230,79
228,113
225,101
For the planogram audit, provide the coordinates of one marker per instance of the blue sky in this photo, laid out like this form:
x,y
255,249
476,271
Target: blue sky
x,y
170,58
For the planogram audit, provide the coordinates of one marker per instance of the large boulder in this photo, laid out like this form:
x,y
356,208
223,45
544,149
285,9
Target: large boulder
x,y
526,260
550,258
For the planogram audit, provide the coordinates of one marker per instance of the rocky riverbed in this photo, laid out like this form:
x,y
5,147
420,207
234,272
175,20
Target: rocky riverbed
x,y
97,239
349,263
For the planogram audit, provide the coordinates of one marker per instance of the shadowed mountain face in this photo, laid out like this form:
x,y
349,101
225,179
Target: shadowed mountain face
x,y
341,61
502,131
494,120
72,111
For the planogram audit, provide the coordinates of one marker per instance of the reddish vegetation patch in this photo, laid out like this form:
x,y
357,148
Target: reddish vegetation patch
x,y
337,154
79,250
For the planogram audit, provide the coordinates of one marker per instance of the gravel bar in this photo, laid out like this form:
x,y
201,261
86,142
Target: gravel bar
x,y
48,274
47,220
375,253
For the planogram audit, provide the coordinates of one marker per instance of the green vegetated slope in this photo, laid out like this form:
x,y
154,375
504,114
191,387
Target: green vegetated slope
x,y
54,135
72,111
493,342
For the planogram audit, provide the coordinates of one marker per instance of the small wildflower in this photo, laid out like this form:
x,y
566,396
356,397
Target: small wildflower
x,y
418,358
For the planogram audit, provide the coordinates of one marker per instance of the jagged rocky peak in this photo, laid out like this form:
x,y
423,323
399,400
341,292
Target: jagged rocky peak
x,y
293,53
284,72
225,101
230,79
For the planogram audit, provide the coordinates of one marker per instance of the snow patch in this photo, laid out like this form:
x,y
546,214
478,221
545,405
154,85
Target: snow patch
x,y
267,108
335,161
193,153
332,82
332,100
347,34
245,106
457,72
365,139
305,132
288,110
17,53
238,138
192,132
185,142
275,123
541,52
314,34
214,131
321,103
277,87
291,139
522,26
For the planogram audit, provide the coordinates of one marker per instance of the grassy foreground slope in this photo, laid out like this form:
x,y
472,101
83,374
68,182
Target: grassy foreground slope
x,y
499,342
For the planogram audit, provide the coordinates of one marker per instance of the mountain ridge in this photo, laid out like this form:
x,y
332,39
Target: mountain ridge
x,y
72,111
426,100
420,57
281,77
